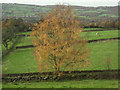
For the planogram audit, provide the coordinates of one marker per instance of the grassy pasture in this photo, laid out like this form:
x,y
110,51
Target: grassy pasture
x,y
102,34
24,33
23,61
99,53
24,41
91,11
86,17
23,10
20,61
102,15
65,84
99,29
88,35
92,29
101,10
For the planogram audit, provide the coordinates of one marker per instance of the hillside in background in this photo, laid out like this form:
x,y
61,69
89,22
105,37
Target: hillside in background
x,y
27,11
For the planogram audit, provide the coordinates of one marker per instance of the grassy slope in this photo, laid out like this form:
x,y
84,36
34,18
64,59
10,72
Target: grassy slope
x,y
66,84
23,61
23,10
19,10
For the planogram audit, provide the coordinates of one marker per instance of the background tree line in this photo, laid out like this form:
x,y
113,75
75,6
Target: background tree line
x,y
99,23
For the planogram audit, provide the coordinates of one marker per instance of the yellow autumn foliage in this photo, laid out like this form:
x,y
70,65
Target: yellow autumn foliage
x,y
58,43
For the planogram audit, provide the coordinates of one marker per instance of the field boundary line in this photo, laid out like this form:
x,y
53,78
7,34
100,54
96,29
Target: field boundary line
x,y
36,73
74,75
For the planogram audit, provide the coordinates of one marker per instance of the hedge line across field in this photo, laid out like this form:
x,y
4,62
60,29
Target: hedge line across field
x,y
67,75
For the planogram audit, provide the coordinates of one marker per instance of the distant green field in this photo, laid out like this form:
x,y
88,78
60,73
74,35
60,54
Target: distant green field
x,y
91,11
19,10
101,10
82,16
23,10
24,33
23,61
86,17
24,41
102,34
103,15
113,16
99,29
88,35
92,29
65,84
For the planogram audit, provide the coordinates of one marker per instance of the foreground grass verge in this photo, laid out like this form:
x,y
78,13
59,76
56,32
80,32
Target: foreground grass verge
x,y
65,84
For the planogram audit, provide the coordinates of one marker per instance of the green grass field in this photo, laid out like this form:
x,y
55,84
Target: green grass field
x,y
24,33
88,35
24,41
92,29
65,84
102,34
23,61
100,29
100,51
103,15
20,61
101,10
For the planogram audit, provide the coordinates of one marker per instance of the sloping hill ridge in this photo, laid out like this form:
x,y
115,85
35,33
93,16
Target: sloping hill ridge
x,y
28,11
